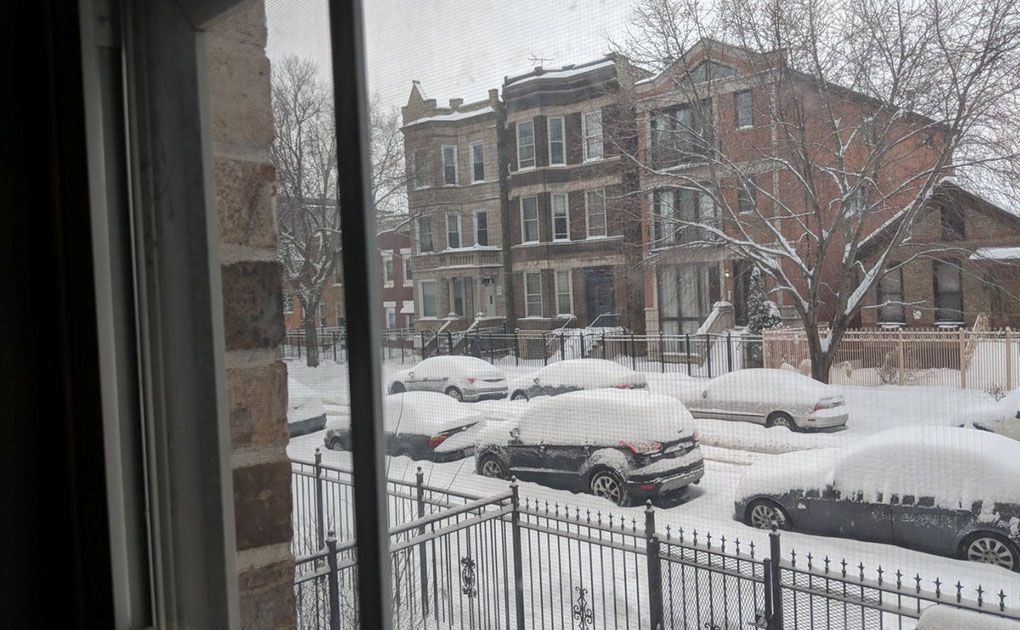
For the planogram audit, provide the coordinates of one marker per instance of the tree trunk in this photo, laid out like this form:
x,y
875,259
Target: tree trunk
x,y
311,334
821,363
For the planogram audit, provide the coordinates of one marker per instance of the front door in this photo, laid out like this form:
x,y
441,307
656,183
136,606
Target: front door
x,y
598,292
489,297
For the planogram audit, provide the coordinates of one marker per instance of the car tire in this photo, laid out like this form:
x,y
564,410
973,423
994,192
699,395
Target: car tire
x,y
397,388
608,484
493,467
762,513
455,394
335,444
518,395
781,419
990,548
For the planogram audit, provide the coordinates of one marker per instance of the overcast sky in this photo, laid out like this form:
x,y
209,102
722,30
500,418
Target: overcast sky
x,y
456,48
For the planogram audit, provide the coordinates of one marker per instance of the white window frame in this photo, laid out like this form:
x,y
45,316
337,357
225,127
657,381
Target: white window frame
x,y
562,141
569,292
388,271
736,108
534,154
456,168
524,222
587,214
566,215
406,268
390,308
588,157
421,295
471,155
527,303
460,232
481,211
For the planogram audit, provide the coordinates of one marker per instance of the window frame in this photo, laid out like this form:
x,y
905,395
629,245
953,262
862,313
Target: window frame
x,y
558,293
601,194
562,141
566,216
868,130
586,152
454,164
737,109
419,169
525,221
480,162
534,154
430,239
406,269
484,213
527,302
747,192
388,270
938,294
952,223
459,232
431,282
882,296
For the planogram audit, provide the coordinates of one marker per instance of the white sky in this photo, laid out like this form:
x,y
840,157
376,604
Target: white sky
x,y
456,48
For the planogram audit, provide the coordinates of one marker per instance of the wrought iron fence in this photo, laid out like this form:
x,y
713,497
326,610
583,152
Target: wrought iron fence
x,y
509,562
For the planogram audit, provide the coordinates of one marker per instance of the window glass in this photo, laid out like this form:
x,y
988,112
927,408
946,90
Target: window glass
x,y
564,292
533,294
747,194
948,282
596,212
420,168
529,219
429,305
481,228
952,220
557,143
890,297
525,144
742,103
424,234
591,125
449,165
560,218
452,230
477,162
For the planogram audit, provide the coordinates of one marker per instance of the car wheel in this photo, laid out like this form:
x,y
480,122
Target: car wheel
x,y
335,444
609,485
519,395
991,548
491,466
397,388
455,394
762,513
780,419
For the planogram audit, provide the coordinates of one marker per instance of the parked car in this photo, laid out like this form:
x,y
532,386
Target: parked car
x,y
1001,416
574,375
420,425
465,379
775,398
945,490
621,445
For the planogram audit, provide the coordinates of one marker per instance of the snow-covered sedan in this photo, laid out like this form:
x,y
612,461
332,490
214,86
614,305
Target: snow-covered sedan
x,y
465,379
775,398
574,375
944,490
1001,416
419,425
621,445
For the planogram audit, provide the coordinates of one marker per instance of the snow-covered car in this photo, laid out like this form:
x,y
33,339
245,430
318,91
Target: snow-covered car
x,y
463,378
1001,416
574,375
305,411
617,444
775,398
420,425
945,490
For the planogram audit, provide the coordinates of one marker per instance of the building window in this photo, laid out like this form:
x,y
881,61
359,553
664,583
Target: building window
x,y
557,142
564,292
856,203
868,129
526,144
532,294
420,169
529,219
452,230
662,216
890,297
322,315
481,228
560,217
744,113
288,302
948,283
387,266
695,216
424,234
591,131
458,296
427,296
391,316
477,162
450,165
747,196
340,323
952,223
682,135
595,212
405,259
686,294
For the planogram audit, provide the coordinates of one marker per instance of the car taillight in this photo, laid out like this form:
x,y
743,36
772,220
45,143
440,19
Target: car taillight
x,y
623,386
642,448
828,403
436,440
471,380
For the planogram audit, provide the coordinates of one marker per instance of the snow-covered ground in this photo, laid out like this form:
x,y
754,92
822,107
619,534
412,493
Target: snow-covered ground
x,y
729,447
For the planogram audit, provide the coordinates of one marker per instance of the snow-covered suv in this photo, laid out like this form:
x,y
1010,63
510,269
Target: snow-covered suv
x,y
621,445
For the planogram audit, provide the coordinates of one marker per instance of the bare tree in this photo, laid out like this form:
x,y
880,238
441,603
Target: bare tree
x,y
304,153
861,109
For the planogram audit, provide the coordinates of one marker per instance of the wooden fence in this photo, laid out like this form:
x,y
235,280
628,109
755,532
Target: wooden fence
x,y
965,358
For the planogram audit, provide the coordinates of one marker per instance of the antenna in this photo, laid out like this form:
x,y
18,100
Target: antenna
x,y
538,61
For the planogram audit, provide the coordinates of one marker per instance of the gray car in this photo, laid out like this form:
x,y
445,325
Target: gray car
x,y
465,379
943,490
575,375
774,398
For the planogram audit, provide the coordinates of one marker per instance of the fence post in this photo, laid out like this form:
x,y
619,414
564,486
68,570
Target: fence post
x,y
300,342
1009,359
515,523
545,350
776,553
662,354
563,349
654,569
633,353
729,353
963,361
603,344
687,341
582,345
517,348
902,356
419,482
708,353
334,347
319,516
449,342
334,583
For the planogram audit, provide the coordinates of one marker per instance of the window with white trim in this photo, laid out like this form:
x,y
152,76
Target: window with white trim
x,y
477,162
525,144
449,165
453,240
424,234
405,260
427,296
564,292
595,212
591,131
557,141
481,228
743,113
387,266
529,219
532,294
391,315
560,217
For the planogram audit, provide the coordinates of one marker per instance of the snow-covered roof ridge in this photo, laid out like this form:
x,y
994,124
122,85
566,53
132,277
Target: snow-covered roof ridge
x,y
562,72
454,116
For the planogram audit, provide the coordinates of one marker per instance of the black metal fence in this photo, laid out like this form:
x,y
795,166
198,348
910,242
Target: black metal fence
x,y
510,562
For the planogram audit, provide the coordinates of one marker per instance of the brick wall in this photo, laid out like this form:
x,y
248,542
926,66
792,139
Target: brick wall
x,y
242,129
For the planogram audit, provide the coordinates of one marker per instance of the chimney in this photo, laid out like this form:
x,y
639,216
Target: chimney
x,y
538,69
455,103
494,94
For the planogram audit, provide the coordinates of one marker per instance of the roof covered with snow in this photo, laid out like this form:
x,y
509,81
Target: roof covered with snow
x,y
564,72
454,116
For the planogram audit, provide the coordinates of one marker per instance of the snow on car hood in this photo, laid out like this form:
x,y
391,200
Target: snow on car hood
x,y
302,402
754,384
583,374
424,413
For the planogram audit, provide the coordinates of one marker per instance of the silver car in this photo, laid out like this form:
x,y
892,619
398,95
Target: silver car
x,y
774,398
465,379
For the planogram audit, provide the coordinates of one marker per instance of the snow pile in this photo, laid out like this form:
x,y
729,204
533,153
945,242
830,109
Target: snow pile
x,y
584,374
302,402
760,384
755,438
943,617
